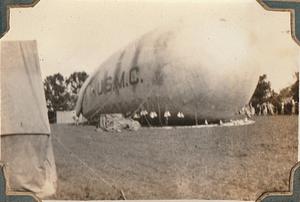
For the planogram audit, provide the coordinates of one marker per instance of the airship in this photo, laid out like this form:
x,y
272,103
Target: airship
x,y
208,71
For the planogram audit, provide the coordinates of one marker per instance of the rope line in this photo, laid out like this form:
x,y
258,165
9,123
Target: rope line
x,y
94,172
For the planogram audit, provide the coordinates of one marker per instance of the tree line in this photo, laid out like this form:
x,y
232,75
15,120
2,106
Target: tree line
x,y
61,93
265,94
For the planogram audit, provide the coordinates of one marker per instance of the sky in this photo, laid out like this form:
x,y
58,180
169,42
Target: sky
x,y
78,35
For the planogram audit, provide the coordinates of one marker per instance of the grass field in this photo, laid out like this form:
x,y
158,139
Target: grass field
x,y
237,162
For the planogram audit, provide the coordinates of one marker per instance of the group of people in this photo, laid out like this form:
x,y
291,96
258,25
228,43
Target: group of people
x,y
267,108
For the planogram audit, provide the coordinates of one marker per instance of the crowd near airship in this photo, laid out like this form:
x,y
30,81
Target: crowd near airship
x,y
184,69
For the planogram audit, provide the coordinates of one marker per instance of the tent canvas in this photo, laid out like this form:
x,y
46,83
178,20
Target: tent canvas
x,y
26,147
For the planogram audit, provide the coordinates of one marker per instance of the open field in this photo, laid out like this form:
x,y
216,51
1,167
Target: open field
x,y
206,163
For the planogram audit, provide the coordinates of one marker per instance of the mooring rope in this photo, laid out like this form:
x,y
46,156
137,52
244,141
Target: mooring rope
x,y
94,172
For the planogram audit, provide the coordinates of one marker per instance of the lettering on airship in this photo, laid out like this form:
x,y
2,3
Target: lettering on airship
x,y
114,83
119,81
133,75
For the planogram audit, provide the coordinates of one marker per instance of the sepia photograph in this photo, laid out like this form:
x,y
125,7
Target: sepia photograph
x,y
149,100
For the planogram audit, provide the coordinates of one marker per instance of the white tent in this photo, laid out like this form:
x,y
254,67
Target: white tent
x,y
68,117
26,147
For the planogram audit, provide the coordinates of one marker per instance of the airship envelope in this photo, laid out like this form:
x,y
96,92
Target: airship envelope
x,y
206,70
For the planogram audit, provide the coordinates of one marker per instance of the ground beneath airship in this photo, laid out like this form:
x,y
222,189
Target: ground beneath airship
x,y
237,162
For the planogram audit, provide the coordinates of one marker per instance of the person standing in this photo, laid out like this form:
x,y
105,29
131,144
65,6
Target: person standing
x,y
293,106
282,108
252,109
270,107
258,107
264,109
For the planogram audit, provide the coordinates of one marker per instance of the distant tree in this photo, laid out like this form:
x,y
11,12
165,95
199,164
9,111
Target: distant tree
x,y
295,88
263,91
290,92
275,100
285,93
57,97
74,82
